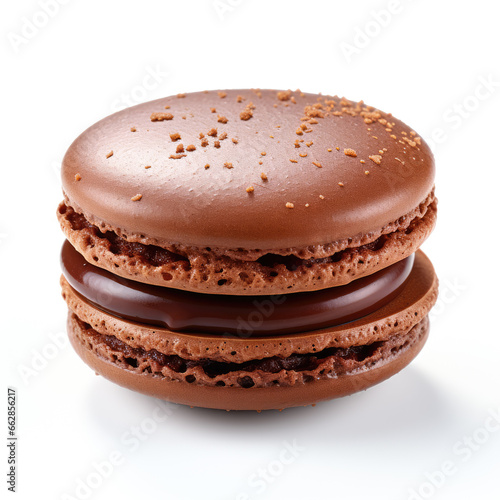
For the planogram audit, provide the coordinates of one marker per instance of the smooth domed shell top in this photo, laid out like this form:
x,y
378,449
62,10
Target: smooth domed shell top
x,y
252,169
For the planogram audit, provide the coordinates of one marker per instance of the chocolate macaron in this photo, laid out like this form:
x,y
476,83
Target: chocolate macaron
x,y
248,249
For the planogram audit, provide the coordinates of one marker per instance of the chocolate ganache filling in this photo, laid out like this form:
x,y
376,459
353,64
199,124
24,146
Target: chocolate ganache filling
x,y
241,316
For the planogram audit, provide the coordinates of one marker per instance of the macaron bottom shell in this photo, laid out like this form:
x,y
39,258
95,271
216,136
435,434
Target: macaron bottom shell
x,y
254,398
400,327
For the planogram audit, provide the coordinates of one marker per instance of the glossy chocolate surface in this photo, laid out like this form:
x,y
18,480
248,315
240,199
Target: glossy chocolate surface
x,y
192,158
244,316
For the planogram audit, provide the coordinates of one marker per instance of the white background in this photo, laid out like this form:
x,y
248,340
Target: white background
x,y
426,62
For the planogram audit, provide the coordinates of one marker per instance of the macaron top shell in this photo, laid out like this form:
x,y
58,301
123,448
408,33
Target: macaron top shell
x,y
254,169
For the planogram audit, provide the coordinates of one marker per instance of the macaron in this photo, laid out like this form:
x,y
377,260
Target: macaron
x,y
248,249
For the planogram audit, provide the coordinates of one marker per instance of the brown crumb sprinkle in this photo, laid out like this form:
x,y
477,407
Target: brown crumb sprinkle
x,y
175,136
299,131
222,94
329,150
167,107
263,153
213,110
223,136
159,117
250,189
78,177
302,155
204,143
317,164
228,164
110,154
367,172
307,205
284,95
289,205
217,144
137,197
239,98
309,144
263,176
181,96
133,129
221,119
337,148
202,135
235,141
350,152
246,114
376,158
321,197
207,166
212,132
176,157
341,184
362,161
314,111
179,148
293,161
191,147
